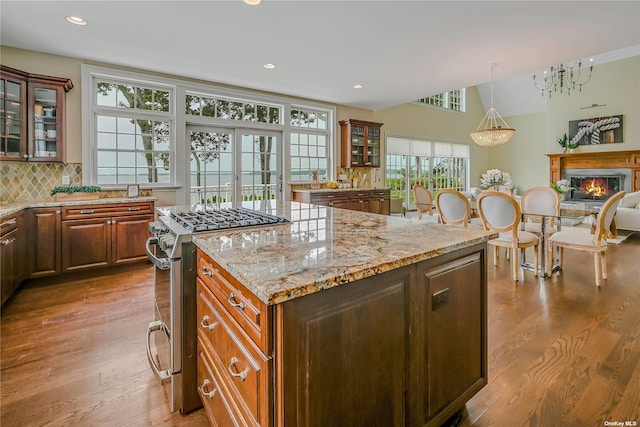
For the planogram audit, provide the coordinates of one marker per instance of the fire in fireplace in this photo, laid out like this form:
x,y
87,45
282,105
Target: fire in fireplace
x,y
595,187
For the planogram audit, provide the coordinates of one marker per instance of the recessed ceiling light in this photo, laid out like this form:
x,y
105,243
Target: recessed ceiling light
x,y
358,86
269,66
252,2
75,20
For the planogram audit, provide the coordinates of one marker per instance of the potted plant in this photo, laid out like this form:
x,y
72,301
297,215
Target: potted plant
x,y
566,145
76,192
562,187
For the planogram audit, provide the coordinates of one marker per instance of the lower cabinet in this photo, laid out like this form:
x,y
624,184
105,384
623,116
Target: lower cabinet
x,y
374,201
44,240
12,256
403,348
104,235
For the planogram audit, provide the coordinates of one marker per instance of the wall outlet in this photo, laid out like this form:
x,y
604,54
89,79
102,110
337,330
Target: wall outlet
x,y
65,179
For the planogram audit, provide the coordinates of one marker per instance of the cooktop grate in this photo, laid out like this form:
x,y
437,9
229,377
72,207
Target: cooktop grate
x,y
221,219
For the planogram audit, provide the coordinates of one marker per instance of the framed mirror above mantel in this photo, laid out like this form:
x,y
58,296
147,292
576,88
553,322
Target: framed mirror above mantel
x,y
628,160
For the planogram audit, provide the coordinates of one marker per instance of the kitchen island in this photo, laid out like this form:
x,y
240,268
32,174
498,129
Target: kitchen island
x,y
341,318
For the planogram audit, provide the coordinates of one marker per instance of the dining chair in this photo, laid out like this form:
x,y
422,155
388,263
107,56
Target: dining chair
x,y
423,199
595,243
500,212
540,205
453,208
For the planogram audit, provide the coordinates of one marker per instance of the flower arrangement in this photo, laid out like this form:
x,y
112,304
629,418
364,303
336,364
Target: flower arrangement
x,y
495,178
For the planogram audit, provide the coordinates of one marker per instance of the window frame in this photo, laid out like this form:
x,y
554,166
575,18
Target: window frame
x,y
446,100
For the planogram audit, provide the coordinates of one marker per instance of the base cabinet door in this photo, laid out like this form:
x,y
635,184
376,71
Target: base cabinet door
x,y
451,335
367,381
129,237
45,241
9,268
381,202
86,243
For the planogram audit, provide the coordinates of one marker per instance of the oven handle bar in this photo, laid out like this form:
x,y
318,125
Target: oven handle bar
x,y
160,263
165,375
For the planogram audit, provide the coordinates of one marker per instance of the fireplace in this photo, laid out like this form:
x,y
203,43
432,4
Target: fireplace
x,y
595,185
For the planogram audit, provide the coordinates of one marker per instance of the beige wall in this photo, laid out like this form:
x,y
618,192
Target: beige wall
x,y
616,84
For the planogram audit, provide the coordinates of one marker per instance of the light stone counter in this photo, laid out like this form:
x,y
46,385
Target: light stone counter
x,y
10,208
325,247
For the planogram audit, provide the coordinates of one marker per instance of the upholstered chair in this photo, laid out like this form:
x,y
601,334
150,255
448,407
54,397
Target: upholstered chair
x,y
500,212
595,243
423,199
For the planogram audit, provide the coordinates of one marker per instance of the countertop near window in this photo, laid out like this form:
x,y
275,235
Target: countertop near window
x,y
9,208
325,247
326,190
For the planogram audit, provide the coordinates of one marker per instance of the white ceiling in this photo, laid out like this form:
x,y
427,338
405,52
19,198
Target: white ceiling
x,y
399,50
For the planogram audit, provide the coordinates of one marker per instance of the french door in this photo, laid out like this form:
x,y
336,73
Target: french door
x,y
234,166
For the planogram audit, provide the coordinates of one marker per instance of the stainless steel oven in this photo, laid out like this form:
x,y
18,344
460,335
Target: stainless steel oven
x,y
172,336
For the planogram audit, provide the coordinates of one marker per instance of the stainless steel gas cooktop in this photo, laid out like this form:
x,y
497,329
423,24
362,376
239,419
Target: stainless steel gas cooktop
x,y
220,219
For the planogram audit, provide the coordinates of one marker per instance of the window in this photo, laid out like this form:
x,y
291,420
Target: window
x,y
139,128
453,100
436,165
133,126
309,144
227,108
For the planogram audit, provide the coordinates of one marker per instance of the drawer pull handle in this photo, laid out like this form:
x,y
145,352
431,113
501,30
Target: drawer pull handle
x,y
88,211
12,221
205,393
205,323
134,209
232,301
242,375
206,272
8,241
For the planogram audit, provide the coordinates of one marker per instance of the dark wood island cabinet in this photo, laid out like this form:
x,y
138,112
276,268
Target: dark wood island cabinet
x,y
404,347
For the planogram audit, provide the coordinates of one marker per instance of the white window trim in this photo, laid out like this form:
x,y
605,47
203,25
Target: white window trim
x,y
179,88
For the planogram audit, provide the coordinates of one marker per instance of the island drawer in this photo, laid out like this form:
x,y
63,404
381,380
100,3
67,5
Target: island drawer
x,y
242,305
8,224
243,368
215,398
106,211
328,198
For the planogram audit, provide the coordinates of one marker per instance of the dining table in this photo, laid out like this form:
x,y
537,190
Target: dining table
x,y
565,213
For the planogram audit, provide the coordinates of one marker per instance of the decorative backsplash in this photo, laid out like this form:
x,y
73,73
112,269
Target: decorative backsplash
x,y
29,182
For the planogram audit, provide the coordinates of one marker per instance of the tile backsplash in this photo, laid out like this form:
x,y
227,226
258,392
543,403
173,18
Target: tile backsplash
x,y
29,182
26,182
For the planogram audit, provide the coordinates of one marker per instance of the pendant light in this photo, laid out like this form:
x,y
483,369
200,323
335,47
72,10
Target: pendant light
x,y
492,130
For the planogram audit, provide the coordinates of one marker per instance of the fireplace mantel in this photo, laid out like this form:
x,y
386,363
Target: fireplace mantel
x,y
596,160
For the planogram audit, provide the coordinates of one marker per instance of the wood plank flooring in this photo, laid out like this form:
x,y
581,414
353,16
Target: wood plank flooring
x,y
561,351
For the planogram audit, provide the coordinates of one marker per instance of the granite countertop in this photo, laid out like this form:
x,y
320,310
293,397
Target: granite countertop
x,y
9,208
325,247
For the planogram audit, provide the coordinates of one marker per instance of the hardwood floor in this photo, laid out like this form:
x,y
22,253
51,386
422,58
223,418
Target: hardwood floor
x,y
561,351
73,353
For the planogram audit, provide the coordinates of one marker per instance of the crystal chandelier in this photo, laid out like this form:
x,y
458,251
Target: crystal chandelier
x,y
564,76
492,130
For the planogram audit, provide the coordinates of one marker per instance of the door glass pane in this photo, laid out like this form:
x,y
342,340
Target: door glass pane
x,y
211,168
259,174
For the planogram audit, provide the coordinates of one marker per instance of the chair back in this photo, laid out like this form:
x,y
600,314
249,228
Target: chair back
x,y
605,217
499,211
422,196
540,200
453,207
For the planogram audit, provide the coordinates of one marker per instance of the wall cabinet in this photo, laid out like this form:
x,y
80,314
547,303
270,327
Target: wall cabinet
x,y
34,123
414,338
374,201
360,143
104,235
12,268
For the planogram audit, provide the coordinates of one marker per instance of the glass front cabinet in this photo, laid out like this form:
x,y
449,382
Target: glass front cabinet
x,y
360,143
33,122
